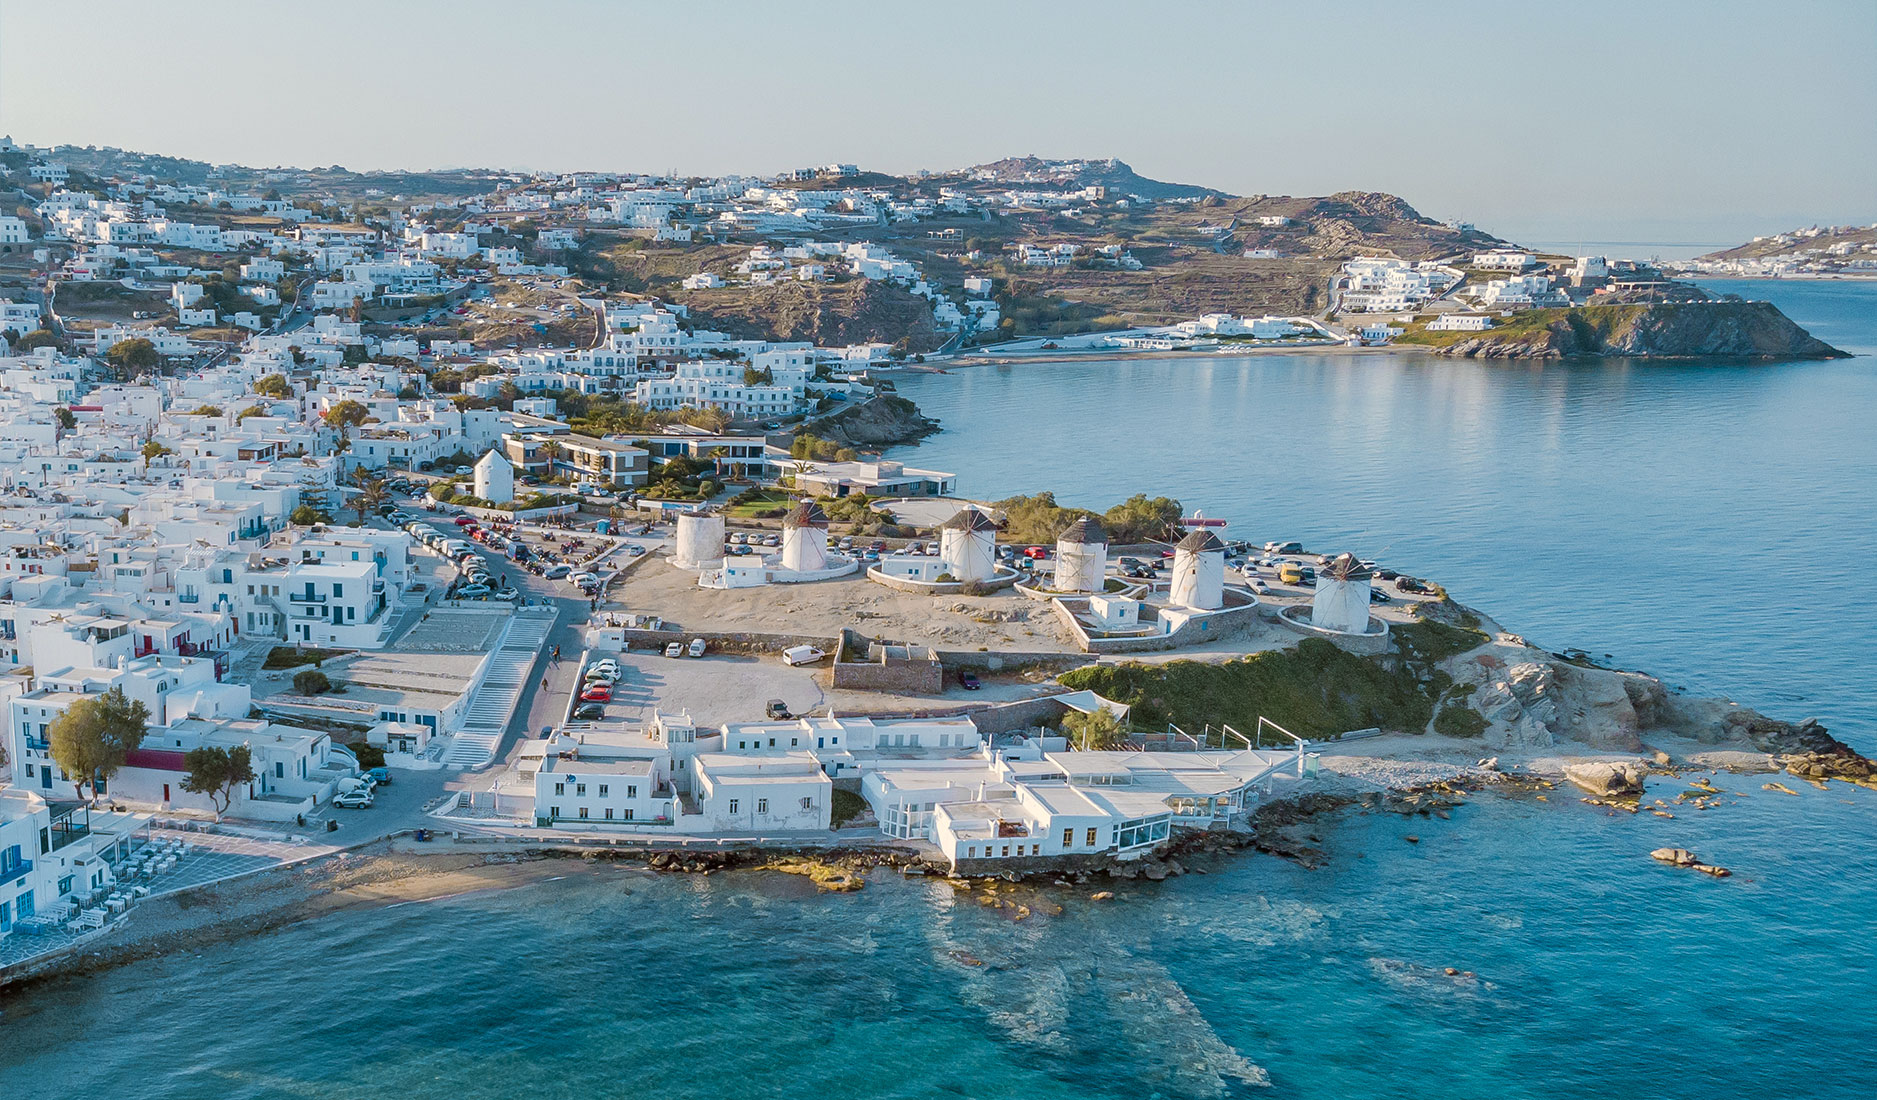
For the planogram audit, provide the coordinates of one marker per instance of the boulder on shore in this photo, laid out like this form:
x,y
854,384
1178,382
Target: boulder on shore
x,y
1607,778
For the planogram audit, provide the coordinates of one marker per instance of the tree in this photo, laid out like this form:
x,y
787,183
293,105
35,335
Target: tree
x,y
206,410
1140,519
92,738
67,421
347,412
130,358
153,449
216,772
311,682
1094,730
370,496
306,516
37,338
274,385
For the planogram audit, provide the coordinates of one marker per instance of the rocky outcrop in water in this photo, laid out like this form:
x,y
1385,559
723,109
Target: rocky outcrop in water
x,y
1675,330
876,422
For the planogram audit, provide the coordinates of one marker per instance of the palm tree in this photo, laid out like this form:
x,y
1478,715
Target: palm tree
x,y
371,495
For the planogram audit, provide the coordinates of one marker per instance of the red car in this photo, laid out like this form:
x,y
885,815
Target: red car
x,y
1035,552
598,693
465,521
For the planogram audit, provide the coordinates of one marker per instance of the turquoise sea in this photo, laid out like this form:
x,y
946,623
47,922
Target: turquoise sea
x,y
1713,524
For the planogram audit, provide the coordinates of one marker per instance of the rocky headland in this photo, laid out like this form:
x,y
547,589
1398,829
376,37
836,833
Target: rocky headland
x,y
1668,330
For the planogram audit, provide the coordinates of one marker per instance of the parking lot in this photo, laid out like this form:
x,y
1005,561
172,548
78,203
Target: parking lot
x,y
714,689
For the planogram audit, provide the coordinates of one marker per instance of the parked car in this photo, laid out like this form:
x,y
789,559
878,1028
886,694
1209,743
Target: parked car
x,y
464,471
674,649
464,521
846,543
802,655
1035,553
353,800
556,572
588,712
1283,547
379,776
606,663
697,647
506,593
600,676
597,693
969,681
1376,595
473,592
777,710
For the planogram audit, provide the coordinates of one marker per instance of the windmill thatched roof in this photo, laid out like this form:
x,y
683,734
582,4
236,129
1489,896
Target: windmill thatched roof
x,y
1201,541
1086,531
969,519
1345,567
805,514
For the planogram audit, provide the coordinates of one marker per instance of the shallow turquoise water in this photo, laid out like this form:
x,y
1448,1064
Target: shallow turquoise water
x,y
1705,523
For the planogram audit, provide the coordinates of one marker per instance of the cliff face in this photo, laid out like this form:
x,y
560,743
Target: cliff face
x,y
877,422
1679,330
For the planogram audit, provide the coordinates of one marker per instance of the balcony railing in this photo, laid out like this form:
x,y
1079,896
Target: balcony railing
x,y
189,597
306,597
18,870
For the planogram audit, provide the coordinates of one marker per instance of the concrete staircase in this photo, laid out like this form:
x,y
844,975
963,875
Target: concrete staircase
x,y
492,706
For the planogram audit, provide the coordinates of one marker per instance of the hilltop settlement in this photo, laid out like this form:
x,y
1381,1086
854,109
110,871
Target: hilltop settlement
x,y
551,510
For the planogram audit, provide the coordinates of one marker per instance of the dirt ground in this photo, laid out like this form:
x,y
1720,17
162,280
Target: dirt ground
x,y
1005,621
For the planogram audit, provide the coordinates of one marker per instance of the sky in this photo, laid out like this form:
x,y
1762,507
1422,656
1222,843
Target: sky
x,y
1641,121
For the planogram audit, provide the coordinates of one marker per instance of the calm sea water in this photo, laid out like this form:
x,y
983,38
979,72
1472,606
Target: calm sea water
x,y
1711,523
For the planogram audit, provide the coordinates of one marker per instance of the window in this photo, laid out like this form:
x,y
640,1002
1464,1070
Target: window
x,y
971,852
1068,838
602,790
1091,838
632,790
581,788
733,805
560,788
1006,850
583,813
609,813
628,813
553,812
762,805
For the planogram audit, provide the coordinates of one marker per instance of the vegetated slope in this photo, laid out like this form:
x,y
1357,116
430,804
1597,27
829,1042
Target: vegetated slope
x,y
828,314
1720,329
1314,689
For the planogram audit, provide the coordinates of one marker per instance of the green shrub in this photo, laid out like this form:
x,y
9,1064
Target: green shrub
x,y
1459,720
311,682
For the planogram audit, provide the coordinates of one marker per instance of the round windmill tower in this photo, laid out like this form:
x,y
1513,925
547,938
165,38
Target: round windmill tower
x,y
968,545
495,479
805,538
700,541
1341,601
1199,572
1082,557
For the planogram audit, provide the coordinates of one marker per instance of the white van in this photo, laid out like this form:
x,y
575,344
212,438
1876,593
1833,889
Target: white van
x,y
802,655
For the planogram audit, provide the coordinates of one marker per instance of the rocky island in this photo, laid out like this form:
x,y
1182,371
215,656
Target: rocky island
x,y
1726,328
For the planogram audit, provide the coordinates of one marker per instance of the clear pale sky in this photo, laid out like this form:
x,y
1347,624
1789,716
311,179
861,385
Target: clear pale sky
x,y
1702,121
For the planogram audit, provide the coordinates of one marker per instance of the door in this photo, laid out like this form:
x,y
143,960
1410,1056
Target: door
x,y
166,792
45,777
